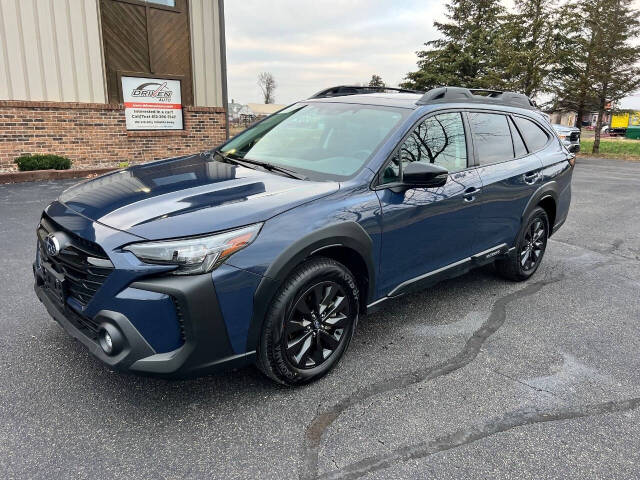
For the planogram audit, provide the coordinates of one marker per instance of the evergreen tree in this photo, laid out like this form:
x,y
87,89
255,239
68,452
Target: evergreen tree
x,y
467,53
376,81
616,73
600,61
528,45
572,77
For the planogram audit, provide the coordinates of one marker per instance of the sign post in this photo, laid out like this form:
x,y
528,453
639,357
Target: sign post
x,y
152,104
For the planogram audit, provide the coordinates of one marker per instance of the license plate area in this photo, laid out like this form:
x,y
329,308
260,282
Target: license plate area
x,y
55,284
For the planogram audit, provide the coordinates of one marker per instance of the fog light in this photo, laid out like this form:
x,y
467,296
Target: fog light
x,y
107,342
110,339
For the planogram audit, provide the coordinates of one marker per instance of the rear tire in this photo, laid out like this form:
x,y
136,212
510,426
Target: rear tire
x,y
530,247
309,323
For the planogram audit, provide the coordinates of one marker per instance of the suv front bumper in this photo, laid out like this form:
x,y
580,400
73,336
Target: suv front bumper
x,y
206,346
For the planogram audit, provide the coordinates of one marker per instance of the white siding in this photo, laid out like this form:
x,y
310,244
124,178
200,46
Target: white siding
x,y
204,17
50,50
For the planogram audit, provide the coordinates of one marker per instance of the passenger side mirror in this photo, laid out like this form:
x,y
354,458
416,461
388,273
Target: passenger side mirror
x,y
425,175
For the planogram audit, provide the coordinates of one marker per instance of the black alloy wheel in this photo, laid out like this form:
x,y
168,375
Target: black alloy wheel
x,y
531,249
309,323
315,327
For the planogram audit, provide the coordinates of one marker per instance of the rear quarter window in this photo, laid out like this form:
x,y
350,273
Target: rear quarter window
x,y
534,136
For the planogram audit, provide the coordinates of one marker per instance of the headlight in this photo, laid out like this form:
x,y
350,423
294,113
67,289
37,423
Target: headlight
x,y
564,137
196,254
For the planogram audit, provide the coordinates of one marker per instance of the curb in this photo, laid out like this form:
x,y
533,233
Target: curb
x,y
38,175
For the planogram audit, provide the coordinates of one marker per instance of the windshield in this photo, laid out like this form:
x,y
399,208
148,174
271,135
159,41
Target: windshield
x,y
322,141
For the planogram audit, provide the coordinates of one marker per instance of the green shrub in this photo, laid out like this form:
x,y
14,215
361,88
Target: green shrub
x,y
42,162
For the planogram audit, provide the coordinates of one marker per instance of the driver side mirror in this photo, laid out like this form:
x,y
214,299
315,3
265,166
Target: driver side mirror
x,y
424,175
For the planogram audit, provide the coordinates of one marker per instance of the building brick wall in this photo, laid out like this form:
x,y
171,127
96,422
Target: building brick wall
x,y
94,135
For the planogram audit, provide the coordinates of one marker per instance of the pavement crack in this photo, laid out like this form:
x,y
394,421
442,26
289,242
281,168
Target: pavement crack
x,y
462,437
611,251
521,382
322,421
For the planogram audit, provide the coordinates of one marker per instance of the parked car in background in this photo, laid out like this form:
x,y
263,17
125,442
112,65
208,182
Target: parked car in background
x,y
570,137
268,249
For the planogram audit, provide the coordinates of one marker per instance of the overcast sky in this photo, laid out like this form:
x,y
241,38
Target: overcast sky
x,y
310,45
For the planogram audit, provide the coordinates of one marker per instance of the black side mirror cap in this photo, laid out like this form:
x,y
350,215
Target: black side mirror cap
x,y
424,175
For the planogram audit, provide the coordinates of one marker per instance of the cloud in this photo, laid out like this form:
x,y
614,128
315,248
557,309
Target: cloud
x,y
311,45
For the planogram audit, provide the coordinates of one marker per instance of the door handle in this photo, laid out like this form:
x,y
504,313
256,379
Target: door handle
x,y
530,177
470,194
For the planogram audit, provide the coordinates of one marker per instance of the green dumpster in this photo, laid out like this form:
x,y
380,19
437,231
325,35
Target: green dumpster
x,y
633,132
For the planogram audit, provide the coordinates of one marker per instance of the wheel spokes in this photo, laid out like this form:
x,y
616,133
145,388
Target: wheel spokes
x,y
303,307
328,296
328,340
337,306
316,325
339,321
297,341
304,351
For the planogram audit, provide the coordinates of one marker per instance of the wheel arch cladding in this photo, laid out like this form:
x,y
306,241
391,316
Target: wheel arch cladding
x,y
347,243
548,203
546,197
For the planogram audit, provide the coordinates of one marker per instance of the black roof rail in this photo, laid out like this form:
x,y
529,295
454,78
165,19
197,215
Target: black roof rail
x,y
475,95
343,90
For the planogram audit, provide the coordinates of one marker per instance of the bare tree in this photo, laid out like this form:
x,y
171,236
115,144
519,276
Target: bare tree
x,y
268,85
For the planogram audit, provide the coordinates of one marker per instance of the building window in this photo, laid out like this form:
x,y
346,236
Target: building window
x,y
166,3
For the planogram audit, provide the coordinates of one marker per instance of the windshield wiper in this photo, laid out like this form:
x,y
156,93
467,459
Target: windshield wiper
x,y
247,162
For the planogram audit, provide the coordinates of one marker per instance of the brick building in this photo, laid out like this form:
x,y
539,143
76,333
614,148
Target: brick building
x,y
110,81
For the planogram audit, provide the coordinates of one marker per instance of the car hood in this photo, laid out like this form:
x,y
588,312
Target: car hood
x,y
187,196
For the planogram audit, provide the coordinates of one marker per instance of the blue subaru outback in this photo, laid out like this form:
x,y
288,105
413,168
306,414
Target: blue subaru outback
x,y
268,249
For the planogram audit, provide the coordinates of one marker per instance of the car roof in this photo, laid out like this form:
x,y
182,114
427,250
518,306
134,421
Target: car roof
x,y
401,100
410,101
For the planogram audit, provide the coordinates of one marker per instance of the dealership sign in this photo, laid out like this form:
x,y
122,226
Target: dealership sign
x,y
152,104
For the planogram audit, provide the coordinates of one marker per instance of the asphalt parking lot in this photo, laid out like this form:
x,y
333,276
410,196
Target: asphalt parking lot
x,y
474,378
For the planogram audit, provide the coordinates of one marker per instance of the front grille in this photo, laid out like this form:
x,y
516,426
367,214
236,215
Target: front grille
x,y
574,137
84,324
84,264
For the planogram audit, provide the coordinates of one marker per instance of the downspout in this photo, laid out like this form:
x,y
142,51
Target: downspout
x,y
223,66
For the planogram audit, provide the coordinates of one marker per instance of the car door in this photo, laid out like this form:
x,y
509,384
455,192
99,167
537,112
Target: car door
x,y
510,174
426,229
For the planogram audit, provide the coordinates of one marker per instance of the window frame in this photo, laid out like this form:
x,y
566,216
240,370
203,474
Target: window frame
x,y
178,7
376,181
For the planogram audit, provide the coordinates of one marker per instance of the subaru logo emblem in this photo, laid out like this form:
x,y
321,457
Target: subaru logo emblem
x,y
52,245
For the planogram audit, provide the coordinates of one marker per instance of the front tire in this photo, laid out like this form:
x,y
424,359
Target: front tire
x,y
530,248
309,323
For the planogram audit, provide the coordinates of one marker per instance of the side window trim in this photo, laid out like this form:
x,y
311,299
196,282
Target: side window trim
x,y
513,140
376,183
515,130
472,157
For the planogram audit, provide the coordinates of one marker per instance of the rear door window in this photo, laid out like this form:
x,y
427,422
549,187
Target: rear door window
x,y
491,137
534,136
